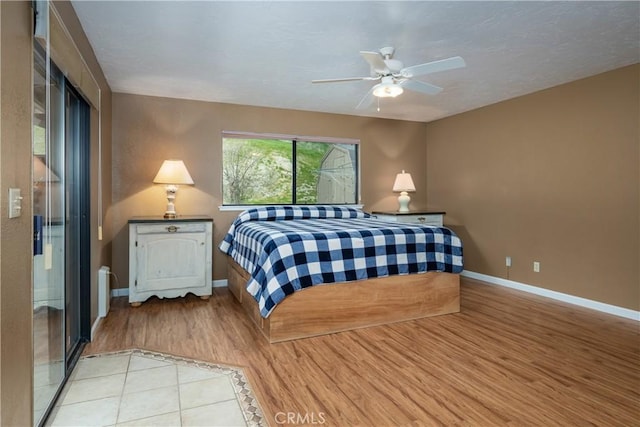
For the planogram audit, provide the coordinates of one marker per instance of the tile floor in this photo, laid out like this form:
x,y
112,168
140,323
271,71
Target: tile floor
x,y
143,388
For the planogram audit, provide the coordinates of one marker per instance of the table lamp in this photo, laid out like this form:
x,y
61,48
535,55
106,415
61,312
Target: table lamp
x,y
403,184
172,173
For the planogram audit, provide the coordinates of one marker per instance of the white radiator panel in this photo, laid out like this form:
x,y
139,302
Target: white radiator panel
x,y
104,291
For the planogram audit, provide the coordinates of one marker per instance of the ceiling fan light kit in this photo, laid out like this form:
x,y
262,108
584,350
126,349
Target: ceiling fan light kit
x,y
395,77
387,89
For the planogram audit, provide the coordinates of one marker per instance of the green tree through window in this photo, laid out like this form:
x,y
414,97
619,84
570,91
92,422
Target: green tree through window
x,y
261,171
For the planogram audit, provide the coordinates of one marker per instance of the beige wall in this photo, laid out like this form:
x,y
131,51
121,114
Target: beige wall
x,y
15,242
15,171
550,177
148,130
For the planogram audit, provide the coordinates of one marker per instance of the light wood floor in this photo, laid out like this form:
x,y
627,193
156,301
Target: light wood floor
x,y
507,358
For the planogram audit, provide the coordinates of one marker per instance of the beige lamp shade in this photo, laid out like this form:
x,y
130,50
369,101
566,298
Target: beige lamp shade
x,y
403,183
173,172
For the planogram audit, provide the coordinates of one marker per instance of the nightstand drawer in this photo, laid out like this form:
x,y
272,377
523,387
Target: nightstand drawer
x,y
434,219
172,227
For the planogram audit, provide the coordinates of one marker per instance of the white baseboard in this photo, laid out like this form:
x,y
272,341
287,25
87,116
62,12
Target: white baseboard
x,y
124,292
120,292
571,299
219,283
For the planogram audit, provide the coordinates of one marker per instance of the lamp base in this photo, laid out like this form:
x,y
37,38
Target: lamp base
x,y
171,197
403,201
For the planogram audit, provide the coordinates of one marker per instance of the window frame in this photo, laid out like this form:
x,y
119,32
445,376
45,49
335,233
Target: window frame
x,y
293,139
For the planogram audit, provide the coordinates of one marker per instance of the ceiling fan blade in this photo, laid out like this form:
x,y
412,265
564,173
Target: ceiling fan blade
x,y
422,87
375,61
345,79
433,67
366,100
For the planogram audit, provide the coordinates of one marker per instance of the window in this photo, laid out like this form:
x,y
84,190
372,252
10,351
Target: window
x,y
261,169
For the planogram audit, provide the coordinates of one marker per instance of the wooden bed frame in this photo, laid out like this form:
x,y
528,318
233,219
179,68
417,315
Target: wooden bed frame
x,y
331,308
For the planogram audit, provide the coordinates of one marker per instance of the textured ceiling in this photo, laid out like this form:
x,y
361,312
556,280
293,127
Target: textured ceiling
x,y
267,53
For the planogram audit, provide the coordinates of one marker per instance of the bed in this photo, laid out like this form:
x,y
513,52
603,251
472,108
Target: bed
x,y
302,271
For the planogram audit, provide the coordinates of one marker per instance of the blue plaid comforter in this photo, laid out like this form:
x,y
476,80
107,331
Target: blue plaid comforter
x,y
288,248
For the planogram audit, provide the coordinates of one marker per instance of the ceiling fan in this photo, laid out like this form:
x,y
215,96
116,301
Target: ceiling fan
x,y
394,77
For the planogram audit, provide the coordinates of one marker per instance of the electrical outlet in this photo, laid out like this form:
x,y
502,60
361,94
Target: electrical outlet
x,y
536,266
508,261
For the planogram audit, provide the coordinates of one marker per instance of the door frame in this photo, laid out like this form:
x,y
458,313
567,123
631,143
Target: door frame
x,y
83,189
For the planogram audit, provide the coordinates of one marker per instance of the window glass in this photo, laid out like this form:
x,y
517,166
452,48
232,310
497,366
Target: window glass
x,y
256,171
266,171
325,173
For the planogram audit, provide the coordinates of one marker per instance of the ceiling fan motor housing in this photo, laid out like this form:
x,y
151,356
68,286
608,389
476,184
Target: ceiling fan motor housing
x,y
387,52
393,66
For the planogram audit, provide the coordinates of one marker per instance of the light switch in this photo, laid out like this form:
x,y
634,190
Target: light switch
x,y
15,203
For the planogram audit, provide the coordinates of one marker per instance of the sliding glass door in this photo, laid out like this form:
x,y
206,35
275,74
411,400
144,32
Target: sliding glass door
x,y
48,226
60,222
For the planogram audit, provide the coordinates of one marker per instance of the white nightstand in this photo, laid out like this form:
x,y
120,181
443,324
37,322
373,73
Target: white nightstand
x,y
169,257
426,217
